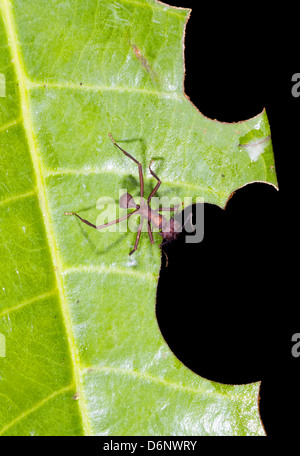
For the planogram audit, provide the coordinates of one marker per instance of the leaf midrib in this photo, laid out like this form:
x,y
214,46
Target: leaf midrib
x,y
41,195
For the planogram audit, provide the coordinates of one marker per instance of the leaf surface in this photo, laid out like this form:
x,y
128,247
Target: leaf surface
x,y
84,354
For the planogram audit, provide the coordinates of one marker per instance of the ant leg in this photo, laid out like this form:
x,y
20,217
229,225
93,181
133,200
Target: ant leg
x,y
101,226
157,185
116,221
132,158
83,220
137,239
150,233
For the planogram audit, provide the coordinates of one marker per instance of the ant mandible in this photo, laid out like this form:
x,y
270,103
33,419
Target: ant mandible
x,y
169,228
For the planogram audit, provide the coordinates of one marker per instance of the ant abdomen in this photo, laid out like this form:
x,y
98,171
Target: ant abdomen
x,y
127,202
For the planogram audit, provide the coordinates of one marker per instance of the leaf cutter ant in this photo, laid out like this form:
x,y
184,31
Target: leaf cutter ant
x,y
169,228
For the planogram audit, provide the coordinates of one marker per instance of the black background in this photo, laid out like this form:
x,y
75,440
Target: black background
x,y
238,309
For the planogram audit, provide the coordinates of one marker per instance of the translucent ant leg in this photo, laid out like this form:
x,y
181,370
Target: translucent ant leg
x,y
168,209
137,239
132,158
101,226
157,185
166,242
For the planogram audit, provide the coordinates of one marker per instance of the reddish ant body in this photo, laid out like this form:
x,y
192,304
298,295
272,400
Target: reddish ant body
x,y
169,228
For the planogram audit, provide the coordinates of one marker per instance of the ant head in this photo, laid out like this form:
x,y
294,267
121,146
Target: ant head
x,y
170,230
127,202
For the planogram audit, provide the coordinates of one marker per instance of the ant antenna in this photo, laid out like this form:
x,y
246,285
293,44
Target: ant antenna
x,y
190,219
167,259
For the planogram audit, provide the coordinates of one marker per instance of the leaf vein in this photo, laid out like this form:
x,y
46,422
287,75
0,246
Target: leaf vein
x,y
85,171
27,302
16,197
152,378
35,407
101,269
10,124
97,88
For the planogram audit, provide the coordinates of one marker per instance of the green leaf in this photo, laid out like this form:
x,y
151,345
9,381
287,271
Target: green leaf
x,y
83,351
